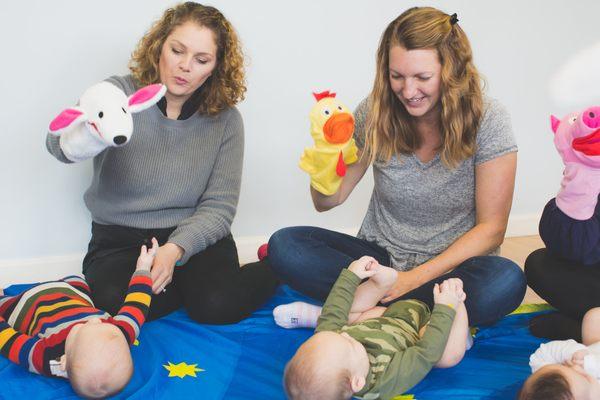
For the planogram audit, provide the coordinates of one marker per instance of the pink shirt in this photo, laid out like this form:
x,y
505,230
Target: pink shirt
x,y
579,191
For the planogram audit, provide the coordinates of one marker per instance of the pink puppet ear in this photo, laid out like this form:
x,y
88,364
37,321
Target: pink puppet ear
x,y
66,119
146,97
554,122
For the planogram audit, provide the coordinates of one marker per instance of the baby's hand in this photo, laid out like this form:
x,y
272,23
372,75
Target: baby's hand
x,y
146,258
364,267
577,357
450,293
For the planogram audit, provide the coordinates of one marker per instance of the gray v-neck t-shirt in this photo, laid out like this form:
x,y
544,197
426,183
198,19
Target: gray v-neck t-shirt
x,y
417,209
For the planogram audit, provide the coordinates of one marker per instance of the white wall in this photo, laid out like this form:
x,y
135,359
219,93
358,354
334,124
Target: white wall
x,y
53,50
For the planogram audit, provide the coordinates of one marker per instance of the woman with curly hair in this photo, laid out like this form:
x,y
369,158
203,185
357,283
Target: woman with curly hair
x,y
178,179
444,161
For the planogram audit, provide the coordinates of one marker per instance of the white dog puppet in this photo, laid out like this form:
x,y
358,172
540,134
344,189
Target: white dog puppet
x,y
102,119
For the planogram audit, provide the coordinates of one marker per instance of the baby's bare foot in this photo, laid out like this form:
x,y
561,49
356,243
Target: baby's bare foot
x,y
385,277
1,292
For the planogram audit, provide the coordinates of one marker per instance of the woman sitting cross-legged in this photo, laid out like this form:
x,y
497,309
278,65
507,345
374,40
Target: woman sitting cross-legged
x,y
179,177
444,160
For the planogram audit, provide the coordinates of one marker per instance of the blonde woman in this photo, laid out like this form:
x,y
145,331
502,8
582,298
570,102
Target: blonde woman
x,y
444,160
179,178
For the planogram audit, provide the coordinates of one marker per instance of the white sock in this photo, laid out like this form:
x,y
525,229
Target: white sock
x,y
469,340
297,315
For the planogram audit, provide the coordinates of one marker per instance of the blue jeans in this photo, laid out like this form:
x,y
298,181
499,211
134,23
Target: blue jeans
x,y
309,259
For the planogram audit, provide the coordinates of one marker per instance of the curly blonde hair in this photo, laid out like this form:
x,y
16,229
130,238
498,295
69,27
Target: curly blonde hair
x,y
390,129
226,86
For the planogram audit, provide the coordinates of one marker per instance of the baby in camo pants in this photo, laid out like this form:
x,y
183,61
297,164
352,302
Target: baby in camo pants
x,y
360,349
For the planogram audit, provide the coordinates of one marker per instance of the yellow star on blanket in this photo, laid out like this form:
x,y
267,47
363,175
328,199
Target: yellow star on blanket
x,y
405,397
182,369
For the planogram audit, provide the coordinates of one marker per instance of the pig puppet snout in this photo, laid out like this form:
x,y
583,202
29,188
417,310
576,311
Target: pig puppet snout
x,y
591,117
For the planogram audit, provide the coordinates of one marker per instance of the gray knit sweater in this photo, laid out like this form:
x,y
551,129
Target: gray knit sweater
x,y
183,173
417,209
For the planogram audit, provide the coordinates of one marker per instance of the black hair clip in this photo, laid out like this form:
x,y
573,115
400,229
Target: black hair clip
x,y
453,19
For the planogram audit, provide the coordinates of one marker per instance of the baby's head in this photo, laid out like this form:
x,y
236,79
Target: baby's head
x,y
327,366
560,382
97,359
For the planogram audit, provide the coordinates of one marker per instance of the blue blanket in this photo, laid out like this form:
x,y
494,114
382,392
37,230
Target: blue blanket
x,y
177,358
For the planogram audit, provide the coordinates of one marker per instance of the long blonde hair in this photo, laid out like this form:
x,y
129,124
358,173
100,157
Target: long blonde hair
x,y
226,86
390,129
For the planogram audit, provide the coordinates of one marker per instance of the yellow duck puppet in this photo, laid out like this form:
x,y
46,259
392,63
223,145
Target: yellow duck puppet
x,y
331,126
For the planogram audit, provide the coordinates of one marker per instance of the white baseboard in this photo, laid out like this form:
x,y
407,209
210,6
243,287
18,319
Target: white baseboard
x,y
39,269
523,225
247,247
49,268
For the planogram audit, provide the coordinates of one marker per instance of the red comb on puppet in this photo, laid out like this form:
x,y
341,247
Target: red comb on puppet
x,y
323,95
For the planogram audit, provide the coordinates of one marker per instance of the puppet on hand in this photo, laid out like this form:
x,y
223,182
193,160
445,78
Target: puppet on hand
x,y
570,223
331,126
102,119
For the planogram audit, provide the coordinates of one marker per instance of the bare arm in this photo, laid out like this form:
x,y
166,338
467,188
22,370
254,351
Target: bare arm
x,y
354,174
494,187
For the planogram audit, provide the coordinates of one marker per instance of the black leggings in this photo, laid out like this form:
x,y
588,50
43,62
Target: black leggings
x,y
571,288
211,285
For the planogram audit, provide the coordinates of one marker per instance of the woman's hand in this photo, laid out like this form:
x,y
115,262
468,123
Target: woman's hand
x,y
164,265
354,174
405,282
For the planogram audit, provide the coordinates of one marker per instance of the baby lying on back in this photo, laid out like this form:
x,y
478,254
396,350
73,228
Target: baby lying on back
x,y
565,369
371,352
54,329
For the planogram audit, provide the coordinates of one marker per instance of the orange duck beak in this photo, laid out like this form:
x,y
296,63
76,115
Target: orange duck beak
x,y
339,128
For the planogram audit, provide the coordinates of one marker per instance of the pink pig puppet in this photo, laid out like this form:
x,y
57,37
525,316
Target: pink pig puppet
x,y
570,223
101,119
